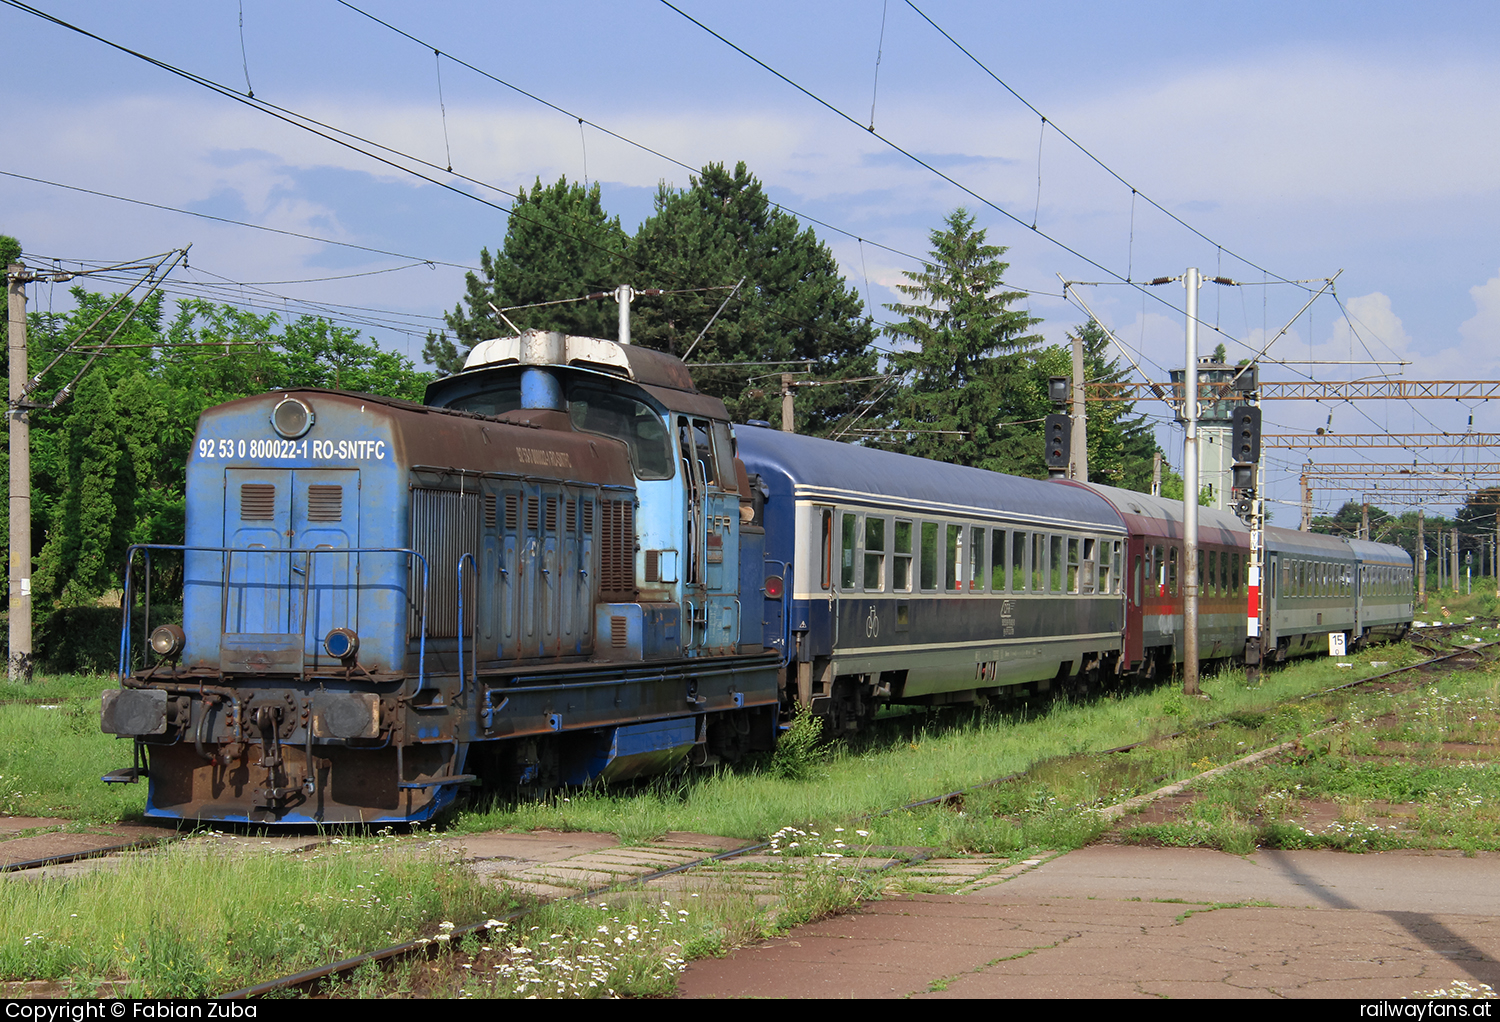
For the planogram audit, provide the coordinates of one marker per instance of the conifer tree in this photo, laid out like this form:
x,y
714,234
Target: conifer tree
x,y
793,302
971,396
559,243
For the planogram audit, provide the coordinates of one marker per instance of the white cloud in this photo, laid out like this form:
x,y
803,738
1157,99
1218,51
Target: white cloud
x,y
1483,329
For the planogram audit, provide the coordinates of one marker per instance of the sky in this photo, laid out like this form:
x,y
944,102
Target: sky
x,y
1264,142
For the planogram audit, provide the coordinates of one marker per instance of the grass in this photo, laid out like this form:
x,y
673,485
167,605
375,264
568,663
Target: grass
x,y
923,753
187,922
1402,770
52,752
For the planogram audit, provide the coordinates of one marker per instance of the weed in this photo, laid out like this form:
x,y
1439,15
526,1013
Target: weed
x,y
798,752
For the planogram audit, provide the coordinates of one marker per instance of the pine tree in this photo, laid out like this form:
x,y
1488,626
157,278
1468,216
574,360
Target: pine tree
x,y
793,302
972,396
559,243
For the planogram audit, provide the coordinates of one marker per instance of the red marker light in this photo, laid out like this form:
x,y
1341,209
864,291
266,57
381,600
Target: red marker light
x,y
773,587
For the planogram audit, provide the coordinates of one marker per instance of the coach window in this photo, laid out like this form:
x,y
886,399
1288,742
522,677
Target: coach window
x,y
976,560
1074,572
1018,548
1119,565
902,565
998,575
848,534
1055,563
928,567
952,576
1038,562
826,549
1172,571
874,554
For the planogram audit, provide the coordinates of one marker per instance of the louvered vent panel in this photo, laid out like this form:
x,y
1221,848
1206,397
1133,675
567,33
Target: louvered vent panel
x,y
572,523
489,510
512,511
653,565
531,513
588,516
619,632
325,503
257,502
551,514
444,526
617,549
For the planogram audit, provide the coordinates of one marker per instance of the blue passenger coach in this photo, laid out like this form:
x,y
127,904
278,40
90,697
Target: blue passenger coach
x,y
923,582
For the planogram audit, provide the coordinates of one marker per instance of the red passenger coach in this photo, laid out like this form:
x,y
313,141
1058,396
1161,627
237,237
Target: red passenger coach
x,y
1155,580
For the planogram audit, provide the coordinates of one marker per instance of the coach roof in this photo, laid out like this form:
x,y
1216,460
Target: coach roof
x,y
827,470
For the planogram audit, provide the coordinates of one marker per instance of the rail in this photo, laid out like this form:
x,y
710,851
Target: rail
x,y
127,600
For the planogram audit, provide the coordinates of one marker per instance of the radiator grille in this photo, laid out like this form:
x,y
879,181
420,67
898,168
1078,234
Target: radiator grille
x,y
617,549
325,503
257,502
444,526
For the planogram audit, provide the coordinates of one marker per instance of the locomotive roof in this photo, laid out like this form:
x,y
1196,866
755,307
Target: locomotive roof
x,y
661,375
825,469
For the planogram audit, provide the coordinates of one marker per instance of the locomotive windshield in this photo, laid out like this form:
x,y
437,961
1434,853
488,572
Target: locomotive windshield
x,y
612,414
593,410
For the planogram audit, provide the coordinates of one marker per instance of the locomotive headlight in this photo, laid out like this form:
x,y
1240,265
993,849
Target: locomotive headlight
x,y
168,640
291,418
341,643
773,588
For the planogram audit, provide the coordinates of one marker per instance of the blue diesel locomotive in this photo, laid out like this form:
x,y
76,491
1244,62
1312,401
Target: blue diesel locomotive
x,y
567,566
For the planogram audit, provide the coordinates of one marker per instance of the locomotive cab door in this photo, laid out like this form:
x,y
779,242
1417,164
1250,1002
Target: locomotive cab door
x,y
711,582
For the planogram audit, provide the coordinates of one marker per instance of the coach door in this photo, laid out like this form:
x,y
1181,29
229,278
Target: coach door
x,y
1135,592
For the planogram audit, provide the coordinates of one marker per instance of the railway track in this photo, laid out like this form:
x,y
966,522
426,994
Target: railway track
x,y
1464,657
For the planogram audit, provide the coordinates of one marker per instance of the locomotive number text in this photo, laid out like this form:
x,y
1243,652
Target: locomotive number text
x,y
317,450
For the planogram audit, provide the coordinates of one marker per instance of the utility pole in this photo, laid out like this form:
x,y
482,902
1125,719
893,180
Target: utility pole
x,y
1421,561
1190,493
1156,474
1306,525
1080,441
1364,521
20,477
788,421
1454,574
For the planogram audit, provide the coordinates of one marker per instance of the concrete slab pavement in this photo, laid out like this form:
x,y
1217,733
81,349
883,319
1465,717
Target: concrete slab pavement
x,y
1097,923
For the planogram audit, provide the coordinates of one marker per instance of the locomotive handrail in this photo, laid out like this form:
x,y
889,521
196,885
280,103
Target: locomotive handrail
x,y
229,553
475,568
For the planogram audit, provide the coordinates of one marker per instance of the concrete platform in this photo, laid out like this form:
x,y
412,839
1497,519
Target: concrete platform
x,y
1117,921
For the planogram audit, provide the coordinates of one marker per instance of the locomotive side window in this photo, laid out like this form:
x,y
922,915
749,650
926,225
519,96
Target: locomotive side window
x,y
928,567
874,553
902,564
848,532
